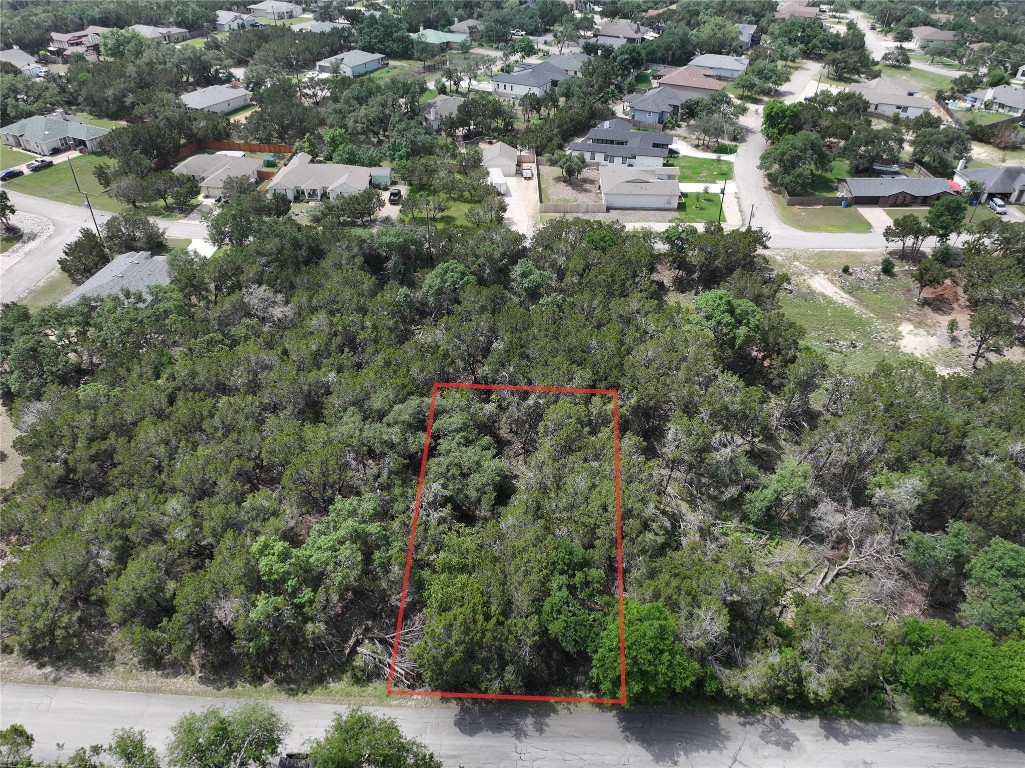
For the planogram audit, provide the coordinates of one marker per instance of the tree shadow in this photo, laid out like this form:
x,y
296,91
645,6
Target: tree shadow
x,y
667,736
991,737
772,731
521,719
848,731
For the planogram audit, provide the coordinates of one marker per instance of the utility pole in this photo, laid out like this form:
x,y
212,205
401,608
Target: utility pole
x,y
88,205
722,198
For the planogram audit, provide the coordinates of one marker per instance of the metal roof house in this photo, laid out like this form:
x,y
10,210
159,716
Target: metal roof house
x,y
85,42
536,79
614,142
217,98
655,189
132,271
891,192
46,134
351,63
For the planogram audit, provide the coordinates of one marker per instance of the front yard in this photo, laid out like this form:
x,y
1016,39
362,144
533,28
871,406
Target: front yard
x,y
827,218
699,208
10,158
975,213
701,170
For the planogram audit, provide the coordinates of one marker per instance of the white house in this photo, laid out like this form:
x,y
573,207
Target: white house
x,y
211,170
45,134
23,61
893,97
351,63
723,67
501,156
230,20
655,189
304,179
535,79
614,142
1002,98
273,9
217,98
165,35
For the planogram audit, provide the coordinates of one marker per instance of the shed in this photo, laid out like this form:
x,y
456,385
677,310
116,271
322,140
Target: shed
x,y
500,155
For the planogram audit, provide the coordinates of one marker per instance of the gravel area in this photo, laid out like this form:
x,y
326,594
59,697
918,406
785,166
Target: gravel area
x,y
34,229
583,190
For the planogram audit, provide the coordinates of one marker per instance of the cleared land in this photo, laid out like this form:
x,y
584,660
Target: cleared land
x,y
702,169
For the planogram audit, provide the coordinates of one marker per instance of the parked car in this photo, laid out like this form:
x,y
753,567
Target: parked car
x,y
11,173
395,197
40,164
997,205
528,171
872,27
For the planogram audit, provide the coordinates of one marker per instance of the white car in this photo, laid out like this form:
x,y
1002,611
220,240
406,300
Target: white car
x,y
997,205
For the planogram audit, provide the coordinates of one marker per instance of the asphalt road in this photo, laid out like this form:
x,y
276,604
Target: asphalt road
x,y
544,735
877,47
67,220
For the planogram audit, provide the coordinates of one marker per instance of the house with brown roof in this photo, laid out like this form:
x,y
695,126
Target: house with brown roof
x,y
689,81
890,192
798,10
85,42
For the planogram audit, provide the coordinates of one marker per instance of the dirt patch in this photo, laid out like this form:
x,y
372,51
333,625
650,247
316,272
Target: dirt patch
x,y
10,461
916,341
583,189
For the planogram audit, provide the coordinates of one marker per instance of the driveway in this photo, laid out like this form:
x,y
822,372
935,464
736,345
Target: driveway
x,y
523,214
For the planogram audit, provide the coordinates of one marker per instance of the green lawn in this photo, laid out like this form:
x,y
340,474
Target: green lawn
x,y
430,94
395,67
58,184
831,218
930,82
9,241
51,289
975,213
702,169
940,61
196,42
825,183
456,214
698,207
642,80
242,111
985,118
99,122
12,157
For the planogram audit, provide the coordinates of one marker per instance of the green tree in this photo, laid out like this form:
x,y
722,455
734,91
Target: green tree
x,y
910,231
362,740
870,146
779,119
16,746
656,667
946,216
248,737
992,330
737,324
125,232
940,149
791,161
995,590
122,44
930,274
7,210
897,57
84,256
356,209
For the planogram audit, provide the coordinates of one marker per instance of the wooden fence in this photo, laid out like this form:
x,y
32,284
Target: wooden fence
x,y
572,208
950,114
238,146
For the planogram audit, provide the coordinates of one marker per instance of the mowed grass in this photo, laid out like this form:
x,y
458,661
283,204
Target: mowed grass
x,y
51,289
10,158
828,218
986,118
930,82
99,122
825,183
58,184
702,169
9,241
695,207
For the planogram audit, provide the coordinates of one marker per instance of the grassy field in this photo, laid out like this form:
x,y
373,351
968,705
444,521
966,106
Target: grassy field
x,y
10,158
939,61
702,169
975,213
456,214
831,218
9,241
58,184
825,183
985,118
395,67
930,82
698,207
99,122
51,289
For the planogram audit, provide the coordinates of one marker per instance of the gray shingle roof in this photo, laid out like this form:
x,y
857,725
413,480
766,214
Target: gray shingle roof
x,y
625,29
656,100
317,26
17,57
621,180
718,61
569,61
746,31
207,97
217,167
352,58
1002,94
999,181
156,33
886,187
45,128
498,151
301,173
135,270
536,76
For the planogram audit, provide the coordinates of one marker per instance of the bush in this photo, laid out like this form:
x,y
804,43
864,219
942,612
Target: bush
x,y
846,269
725,149
889,266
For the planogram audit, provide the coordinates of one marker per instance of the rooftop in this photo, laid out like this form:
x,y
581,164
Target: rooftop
x,y
691,76
133,271
999,180
498,150
626,29
719,61
213,94
44,128
535,76
892,186
1002,94
931,33
656,100
437,37
302,173
215,168
897,92
274,5
318,26
351,58
156,33
787,10
624,180
17,57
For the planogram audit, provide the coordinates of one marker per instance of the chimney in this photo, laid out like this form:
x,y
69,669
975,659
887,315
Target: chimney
x,y
962,164
421,27
455,21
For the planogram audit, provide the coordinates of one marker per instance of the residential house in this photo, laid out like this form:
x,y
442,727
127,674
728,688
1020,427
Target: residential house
x,y
434,112
23,61
274,9
303,179
571,62
1002,98
623,32
889,192
748,35
165,35
524,79
500,155
211,170
351,63
799,10
723,67
217,98
1006,181
614,142
319,26
133,271
467,27
656,105
48,134
228,21
86,42
447,41
689,81
926,36
653,189
887,98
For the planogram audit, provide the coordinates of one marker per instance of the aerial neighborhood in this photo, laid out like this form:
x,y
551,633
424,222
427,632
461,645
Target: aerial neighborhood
x,y
620,353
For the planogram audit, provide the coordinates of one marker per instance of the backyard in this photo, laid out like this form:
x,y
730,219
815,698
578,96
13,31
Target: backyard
x,y
697,207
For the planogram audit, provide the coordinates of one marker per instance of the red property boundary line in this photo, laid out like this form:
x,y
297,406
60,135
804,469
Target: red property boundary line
x,y
614,394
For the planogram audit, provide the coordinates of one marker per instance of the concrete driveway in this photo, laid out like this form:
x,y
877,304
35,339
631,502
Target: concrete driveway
x,y
523,214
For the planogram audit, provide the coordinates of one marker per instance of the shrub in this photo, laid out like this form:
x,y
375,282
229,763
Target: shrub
x,y
889,266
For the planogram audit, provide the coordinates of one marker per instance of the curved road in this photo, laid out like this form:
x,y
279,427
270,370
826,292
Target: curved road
x,y
67,220
542,735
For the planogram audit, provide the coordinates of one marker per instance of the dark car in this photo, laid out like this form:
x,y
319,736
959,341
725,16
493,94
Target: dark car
x,y
11,173
40,164
395,197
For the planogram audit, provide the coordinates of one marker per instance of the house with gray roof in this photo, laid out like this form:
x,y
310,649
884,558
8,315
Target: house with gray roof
x,y
47,134
351,63
722,67
614,142
434,112
23,61
1005,181
319,26
230,20
747,34
466,27
217,98
653,189
656,105
923,37
132,271
500,155
273,9
798,10
302,179
532,78
165,35
447,41
890,192
1002,98
893,97
211,170
571,62
622,32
